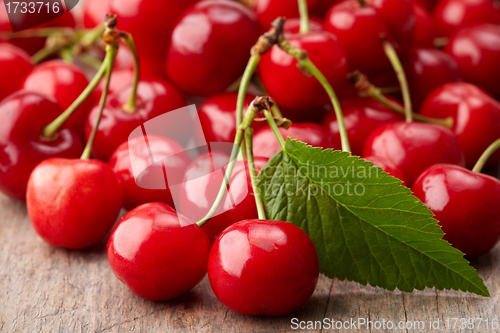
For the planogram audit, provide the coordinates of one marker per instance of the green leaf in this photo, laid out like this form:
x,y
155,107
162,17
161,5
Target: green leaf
x,y
366,227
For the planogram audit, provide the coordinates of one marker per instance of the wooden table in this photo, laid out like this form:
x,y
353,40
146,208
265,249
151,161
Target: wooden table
x,y
48,289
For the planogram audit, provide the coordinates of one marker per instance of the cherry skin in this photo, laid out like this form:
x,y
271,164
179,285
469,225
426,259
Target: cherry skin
x,y
15,64
362,115
426,70
64,82
425,33
477,51
135,155
466,205
476,117
217,116
452,15
202,181
268,10
259,267
288,86
195,62
154,98
265,143
22,117
94,12
73,203
157,253
413,147
387,166
292,25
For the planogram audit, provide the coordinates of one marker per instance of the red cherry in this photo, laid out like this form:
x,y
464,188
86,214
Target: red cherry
x,y
15,65
477,52
154,98
150,22
211,46
65,82
135,155
201,184
73,203
451,15
259,267
466,205
361,117
22,117
413,147
265,143
268,10
426,70
157,253
217,116
476,117
425,33
94,12
387,166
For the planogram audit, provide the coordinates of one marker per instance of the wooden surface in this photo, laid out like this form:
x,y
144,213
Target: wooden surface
x,y
47,289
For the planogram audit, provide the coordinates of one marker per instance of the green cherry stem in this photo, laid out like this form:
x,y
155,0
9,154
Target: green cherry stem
x,y
400,73
272,123
305,63
304,17
111,52
253,175
131,105
486,155
259,104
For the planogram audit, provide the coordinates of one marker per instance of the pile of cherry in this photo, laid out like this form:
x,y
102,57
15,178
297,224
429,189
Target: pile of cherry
x,y
450,53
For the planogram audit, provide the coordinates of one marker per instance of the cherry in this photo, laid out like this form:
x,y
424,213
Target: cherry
x,y
217,116
292,25
195,62
201,184
451,15
64,82
477,51
425,33
268,10
413,147
426,70
361,117
150,22
135,155
157,253
259,267
476,117
266,145
22,117
466,205
73,203
153,98
387,166
15,64
94,12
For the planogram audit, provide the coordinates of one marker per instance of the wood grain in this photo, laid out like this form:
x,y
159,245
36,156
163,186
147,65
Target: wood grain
x,y
47,289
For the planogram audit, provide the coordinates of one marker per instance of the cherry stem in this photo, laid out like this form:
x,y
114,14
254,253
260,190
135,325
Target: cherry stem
x,y
400,73
131,105
306,64
304,17
276,110
486,155
253,175
258,104
272,122
48,51
111,51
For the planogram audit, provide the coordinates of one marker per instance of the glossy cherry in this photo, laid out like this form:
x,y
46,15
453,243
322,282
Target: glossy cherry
x,y
64,82
466,205
259,267
476,117
452,15
477,52
413,147
201,184
154,98
94,12
288,86
425,33
211,46
268,10
73,203
157,253
265,143
361,117
15,65
22,117
135,155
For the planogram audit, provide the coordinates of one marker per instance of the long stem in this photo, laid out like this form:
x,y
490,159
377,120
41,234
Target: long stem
x,y
403,82
131,104
274,127
304,17
111,52
253,62
486,155
253,175
48,51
